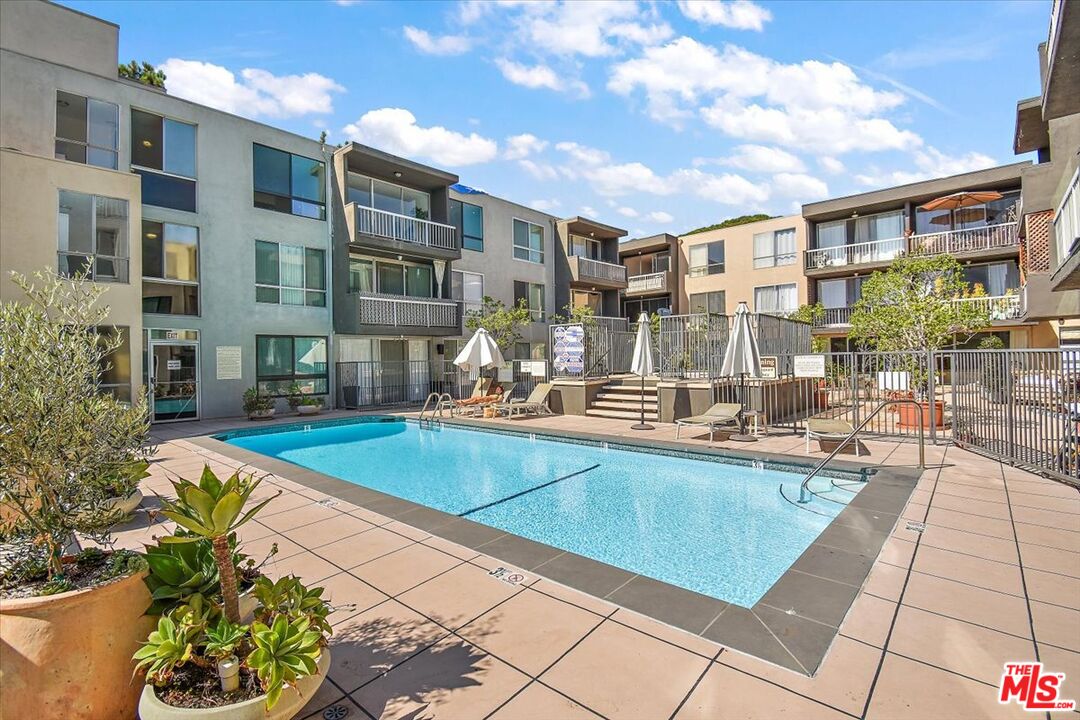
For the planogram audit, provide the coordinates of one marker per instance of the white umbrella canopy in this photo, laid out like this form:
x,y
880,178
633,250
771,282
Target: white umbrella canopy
x,y
480,352
741,357
641,363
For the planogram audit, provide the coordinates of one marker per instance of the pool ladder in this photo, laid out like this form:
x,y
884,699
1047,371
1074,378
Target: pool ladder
x,y
440,399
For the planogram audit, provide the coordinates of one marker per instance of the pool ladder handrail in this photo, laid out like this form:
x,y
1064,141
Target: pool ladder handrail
x,y
803,489
439,398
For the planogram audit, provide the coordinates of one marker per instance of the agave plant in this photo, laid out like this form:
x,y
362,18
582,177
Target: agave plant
x,y
284,652
212,510
167,648
223,639
288,596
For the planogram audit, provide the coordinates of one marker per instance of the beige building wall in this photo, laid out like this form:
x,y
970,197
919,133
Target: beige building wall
x,y
740,277
30,187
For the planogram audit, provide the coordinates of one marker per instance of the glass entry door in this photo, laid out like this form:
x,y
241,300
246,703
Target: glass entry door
x,y
174,381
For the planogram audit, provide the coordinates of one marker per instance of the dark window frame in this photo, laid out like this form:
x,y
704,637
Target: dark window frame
x,y
460,225
292,197
293,377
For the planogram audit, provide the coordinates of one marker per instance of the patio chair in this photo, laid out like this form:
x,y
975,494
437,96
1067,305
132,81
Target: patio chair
x,y
718,415
498,394
480,389
832,429
536,403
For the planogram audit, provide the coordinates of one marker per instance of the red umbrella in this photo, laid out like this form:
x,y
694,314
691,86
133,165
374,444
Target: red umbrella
x,y
964,199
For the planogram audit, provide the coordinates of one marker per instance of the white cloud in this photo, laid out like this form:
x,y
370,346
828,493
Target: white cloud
x,y
624,179
627,212
761,158
584,154
641,34
585,28
800,186
545,205
430,44
395,130
522,146
736,14
726,189
831,165
975,47
660,216
540,76
587,211
929,163
539,170
258,93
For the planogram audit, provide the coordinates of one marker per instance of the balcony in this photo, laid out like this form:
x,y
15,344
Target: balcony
x,y
372,312
1000,307
648,284
999,239
386,230
597,273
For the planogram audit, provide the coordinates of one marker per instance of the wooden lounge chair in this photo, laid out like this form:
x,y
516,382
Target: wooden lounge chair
x,y
832,429
716,416
536,403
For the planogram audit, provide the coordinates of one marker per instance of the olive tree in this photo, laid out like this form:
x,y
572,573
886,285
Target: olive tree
x,y
502,323
59,434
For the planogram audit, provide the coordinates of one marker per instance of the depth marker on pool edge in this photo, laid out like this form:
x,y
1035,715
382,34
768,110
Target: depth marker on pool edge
x,y
529,490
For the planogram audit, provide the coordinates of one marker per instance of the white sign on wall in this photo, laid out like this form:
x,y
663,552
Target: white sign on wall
x,y
811,366
768,367
172,364
229,366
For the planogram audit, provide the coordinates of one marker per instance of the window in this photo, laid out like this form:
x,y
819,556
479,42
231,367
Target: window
x,y
361,275
288,183
115,376
996,279
391,198
584,298
87,130
831,234
839,293
774,248
776,299
585,247
533,294
468,289
528,241
707,259
368,275
709,302
163,155
529,351
1067,221
469,221
632,309
92,236
289,274
281,360
170,268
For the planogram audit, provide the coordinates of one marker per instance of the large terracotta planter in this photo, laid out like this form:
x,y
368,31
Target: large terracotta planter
x,y
291,702
69,655
908,415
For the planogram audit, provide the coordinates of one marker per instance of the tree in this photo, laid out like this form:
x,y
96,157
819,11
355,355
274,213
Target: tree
x,y
146,74
503,324
731,222
810,314
580,315
59,434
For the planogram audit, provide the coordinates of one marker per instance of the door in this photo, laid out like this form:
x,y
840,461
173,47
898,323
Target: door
x,y
391,385
419,370
174,381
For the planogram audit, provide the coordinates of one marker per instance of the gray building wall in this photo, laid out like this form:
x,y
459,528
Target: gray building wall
x,y
227,220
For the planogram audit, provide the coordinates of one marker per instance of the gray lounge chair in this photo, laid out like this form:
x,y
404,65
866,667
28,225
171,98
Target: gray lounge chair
x,y
718,415
832,429
536,403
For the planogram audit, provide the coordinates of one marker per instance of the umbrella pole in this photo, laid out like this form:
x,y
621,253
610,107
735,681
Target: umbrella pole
x,y
742,436
642,425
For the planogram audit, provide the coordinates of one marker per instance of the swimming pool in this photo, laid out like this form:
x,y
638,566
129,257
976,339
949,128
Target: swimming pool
x,y
714,525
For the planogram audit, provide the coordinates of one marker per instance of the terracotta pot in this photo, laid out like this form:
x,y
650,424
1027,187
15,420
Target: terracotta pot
x,y
908,416
291,701
69,655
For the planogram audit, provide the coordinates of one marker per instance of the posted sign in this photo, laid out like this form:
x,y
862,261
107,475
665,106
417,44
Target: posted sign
x,y
768,367
569,349
810,366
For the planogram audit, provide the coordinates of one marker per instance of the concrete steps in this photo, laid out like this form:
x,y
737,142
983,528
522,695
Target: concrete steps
x,y
621,398
622,414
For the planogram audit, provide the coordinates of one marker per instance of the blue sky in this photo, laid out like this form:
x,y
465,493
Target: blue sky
x,y
650,116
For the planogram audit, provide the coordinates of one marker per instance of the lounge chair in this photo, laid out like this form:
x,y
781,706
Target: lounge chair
x,y
498,394
480,389
829,429
536,403
716,416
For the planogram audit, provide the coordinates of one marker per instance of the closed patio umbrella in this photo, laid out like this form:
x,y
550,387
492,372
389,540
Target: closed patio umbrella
x,y
641,363
741,359
480,352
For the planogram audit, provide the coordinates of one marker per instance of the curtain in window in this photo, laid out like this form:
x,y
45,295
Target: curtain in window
x,y
292,274
764,252
832,234
833,293
418,281
785,246
361,276
787,298
699,256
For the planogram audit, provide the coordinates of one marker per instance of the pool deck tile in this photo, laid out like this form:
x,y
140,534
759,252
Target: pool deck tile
x,y
682,608
994,574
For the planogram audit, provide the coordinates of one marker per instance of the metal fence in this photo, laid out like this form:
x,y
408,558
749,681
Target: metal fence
x,y
398,383
692,346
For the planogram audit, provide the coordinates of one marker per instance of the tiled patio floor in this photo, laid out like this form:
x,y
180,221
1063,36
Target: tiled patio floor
x,y
423,631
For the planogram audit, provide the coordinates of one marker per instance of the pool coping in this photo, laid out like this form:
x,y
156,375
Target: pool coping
x,y
794,623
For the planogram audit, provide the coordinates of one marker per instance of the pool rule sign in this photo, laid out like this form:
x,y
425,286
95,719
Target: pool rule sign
x,y
569,349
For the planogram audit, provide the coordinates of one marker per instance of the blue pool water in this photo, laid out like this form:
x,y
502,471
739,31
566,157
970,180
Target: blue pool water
x,y
716,528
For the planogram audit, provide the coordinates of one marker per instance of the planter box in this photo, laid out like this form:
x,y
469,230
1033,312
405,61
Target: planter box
x,y
908,415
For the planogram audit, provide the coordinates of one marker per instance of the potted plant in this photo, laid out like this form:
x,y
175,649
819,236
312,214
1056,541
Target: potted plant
x,y
68,622
121,487
205,659
302,403
258,406
913,308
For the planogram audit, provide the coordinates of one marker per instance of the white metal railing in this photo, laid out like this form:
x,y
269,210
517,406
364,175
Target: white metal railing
x,y
656,281
380,223
396,310
600,270
999,307
951,242
834,316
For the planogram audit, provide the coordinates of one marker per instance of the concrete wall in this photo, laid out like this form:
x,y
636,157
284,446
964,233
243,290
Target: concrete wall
x,y
740,277
227,220
60,35
28,233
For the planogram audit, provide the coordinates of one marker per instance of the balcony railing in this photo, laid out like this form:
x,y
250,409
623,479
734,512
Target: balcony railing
x,y
651,282
1000,307
834,317
599,270
383,224
950,242
395,310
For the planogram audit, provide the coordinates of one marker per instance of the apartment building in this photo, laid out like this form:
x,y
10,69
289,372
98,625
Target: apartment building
x,y
508,254
209,231
587,267
851,237
1049,125
757,263
653,275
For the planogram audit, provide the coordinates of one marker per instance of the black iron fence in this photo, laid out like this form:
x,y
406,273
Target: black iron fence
x,y
376,383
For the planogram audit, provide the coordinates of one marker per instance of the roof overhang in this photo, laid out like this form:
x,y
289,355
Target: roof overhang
x,y
376,163
1032,132
663,241
585,226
